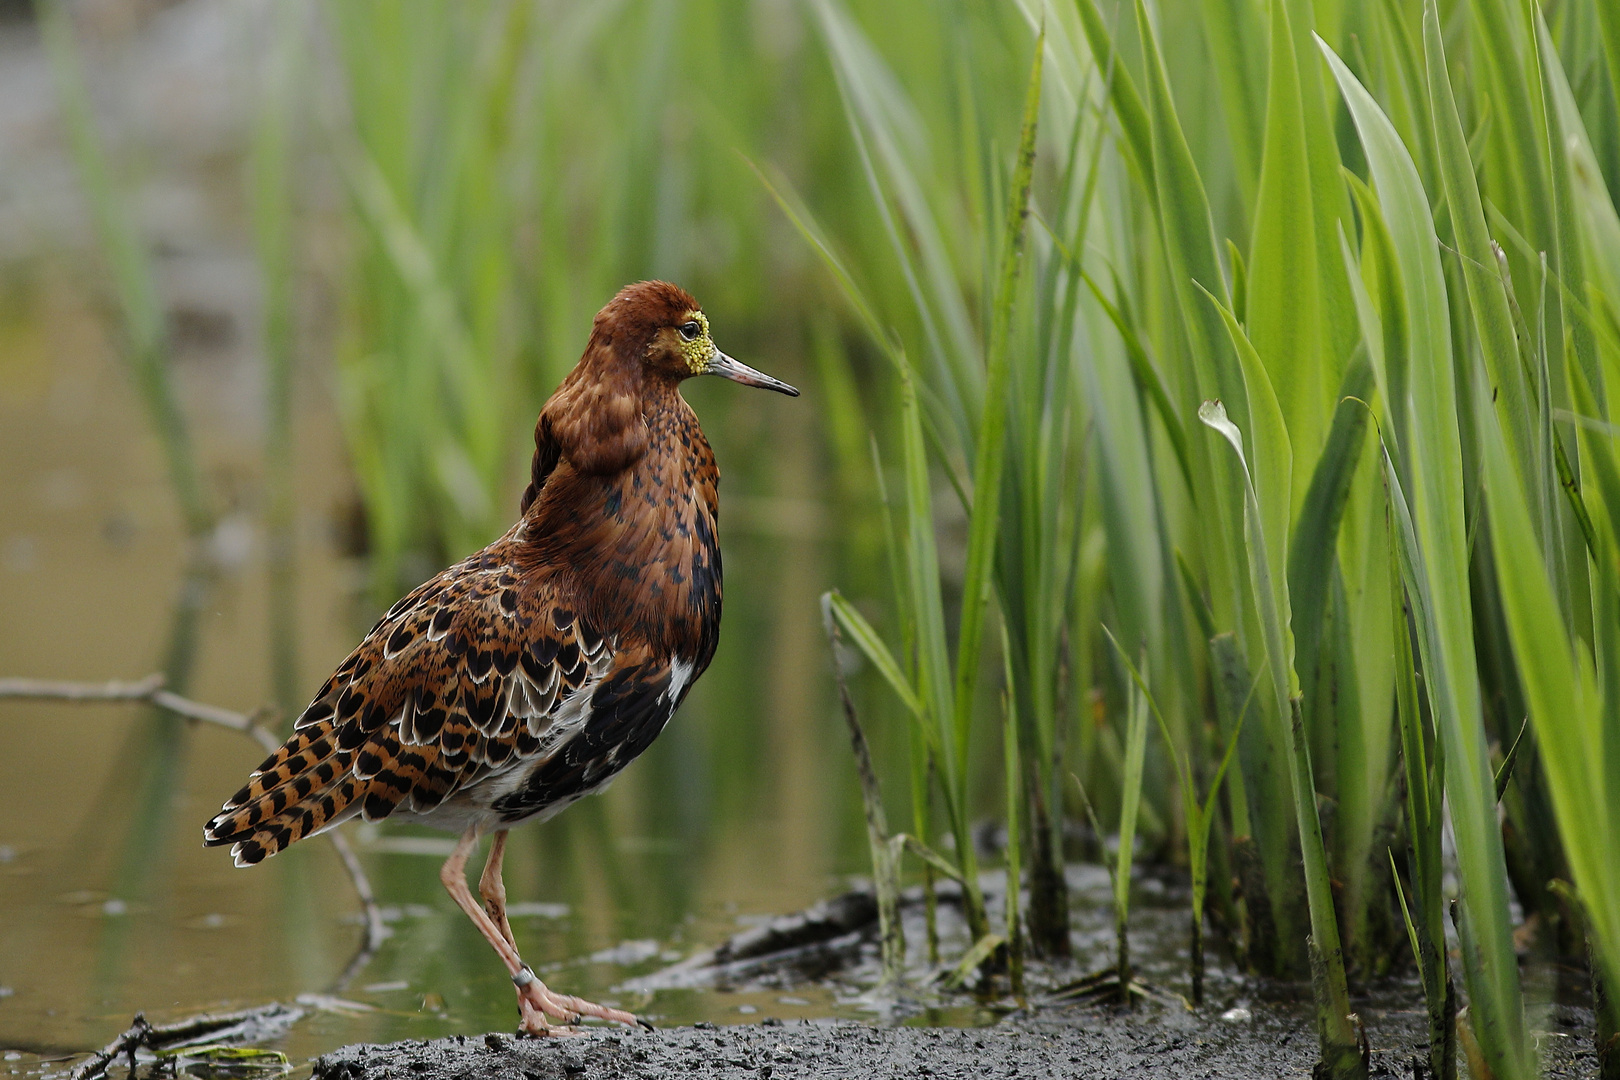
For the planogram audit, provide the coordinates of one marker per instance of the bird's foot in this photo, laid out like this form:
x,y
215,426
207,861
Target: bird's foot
x,y
538,1005
533,1021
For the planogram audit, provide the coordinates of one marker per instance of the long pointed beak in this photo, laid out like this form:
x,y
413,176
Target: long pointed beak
x,y
738,372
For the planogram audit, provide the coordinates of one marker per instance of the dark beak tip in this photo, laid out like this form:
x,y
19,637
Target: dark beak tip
x,y
729,368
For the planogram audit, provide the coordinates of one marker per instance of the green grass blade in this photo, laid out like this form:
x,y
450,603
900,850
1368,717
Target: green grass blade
x,y
1266,470
991,444
1283,315
1384,323
1566,701
1013,766
1147,376
1450,670
1123,95
804,221
1406,913
933,662
1425,781
931,857
1136,724
1191,258
1236,34
1188,232
1312,547
872,647
1487,302
134,279
1266,530
1565,139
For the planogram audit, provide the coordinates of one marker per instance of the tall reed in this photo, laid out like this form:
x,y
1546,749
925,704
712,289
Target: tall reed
x,y
1370,384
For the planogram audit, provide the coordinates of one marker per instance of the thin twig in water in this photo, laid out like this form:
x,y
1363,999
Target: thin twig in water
x,y
127,1043
256,1024
375,930
150,689
71,691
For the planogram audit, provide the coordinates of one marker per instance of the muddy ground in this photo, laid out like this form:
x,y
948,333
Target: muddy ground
x,y
1072,1041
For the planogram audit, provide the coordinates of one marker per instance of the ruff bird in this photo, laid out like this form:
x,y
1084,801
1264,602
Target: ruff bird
x,y
529,674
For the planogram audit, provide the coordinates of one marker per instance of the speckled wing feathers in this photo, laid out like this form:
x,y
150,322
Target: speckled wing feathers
x,y
466,679
627,711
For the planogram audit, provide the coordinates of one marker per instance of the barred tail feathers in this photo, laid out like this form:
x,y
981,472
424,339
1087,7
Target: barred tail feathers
x,y
305,786
313,784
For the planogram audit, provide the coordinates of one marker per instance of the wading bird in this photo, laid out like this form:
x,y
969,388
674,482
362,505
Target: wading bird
x,y
530,673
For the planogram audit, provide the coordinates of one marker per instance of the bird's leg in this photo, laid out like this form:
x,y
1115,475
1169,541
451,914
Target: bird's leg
x,y
454,876
493,889
531,990
535,1002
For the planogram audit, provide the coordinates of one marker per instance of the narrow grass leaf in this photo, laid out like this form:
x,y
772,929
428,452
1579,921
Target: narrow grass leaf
x,y
991,444
1450,671
873,648
1283,314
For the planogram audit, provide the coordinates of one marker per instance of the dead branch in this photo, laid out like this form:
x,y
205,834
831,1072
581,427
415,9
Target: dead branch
x,y
245,1025
127,1043
71,691
149,689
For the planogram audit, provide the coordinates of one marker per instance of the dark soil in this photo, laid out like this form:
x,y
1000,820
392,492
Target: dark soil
x,y
1074,1041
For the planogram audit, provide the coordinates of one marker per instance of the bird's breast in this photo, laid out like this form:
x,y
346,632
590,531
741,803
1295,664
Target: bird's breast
x,y
641,544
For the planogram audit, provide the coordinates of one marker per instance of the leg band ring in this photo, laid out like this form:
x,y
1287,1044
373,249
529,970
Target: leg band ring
x,y
524,977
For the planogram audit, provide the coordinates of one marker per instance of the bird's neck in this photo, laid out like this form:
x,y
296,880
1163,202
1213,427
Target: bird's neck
x,y
640,544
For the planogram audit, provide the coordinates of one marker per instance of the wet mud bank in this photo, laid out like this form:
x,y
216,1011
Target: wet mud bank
x,y
1069,1042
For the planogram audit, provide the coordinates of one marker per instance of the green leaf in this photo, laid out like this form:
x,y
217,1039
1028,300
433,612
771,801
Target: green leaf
x,y
1147,376
1283,315
1272,455
982,950
1130,781
1127,102
929,856
1267,503
1487,302
1311,550
1449,665
873,648
991,444
1566,702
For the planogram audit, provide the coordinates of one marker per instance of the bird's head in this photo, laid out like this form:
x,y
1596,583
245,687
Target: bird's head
x,y
665,326
647,339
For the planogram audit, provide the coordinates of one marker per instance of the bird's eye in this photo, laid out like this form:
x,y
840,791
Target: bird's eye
x,y
691,330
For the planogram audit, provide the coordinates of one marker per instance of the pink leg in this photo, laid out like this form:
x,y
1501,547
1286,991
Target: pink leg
x,y
493,889
535,1002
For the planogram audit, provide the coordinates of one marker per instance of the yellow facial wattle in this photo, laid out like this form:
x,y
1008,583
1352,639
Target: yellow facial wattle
x,y
699,352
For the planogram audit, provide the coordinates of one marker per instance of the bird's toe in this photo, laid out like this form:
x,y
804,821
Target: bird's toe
x,y
534,1022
